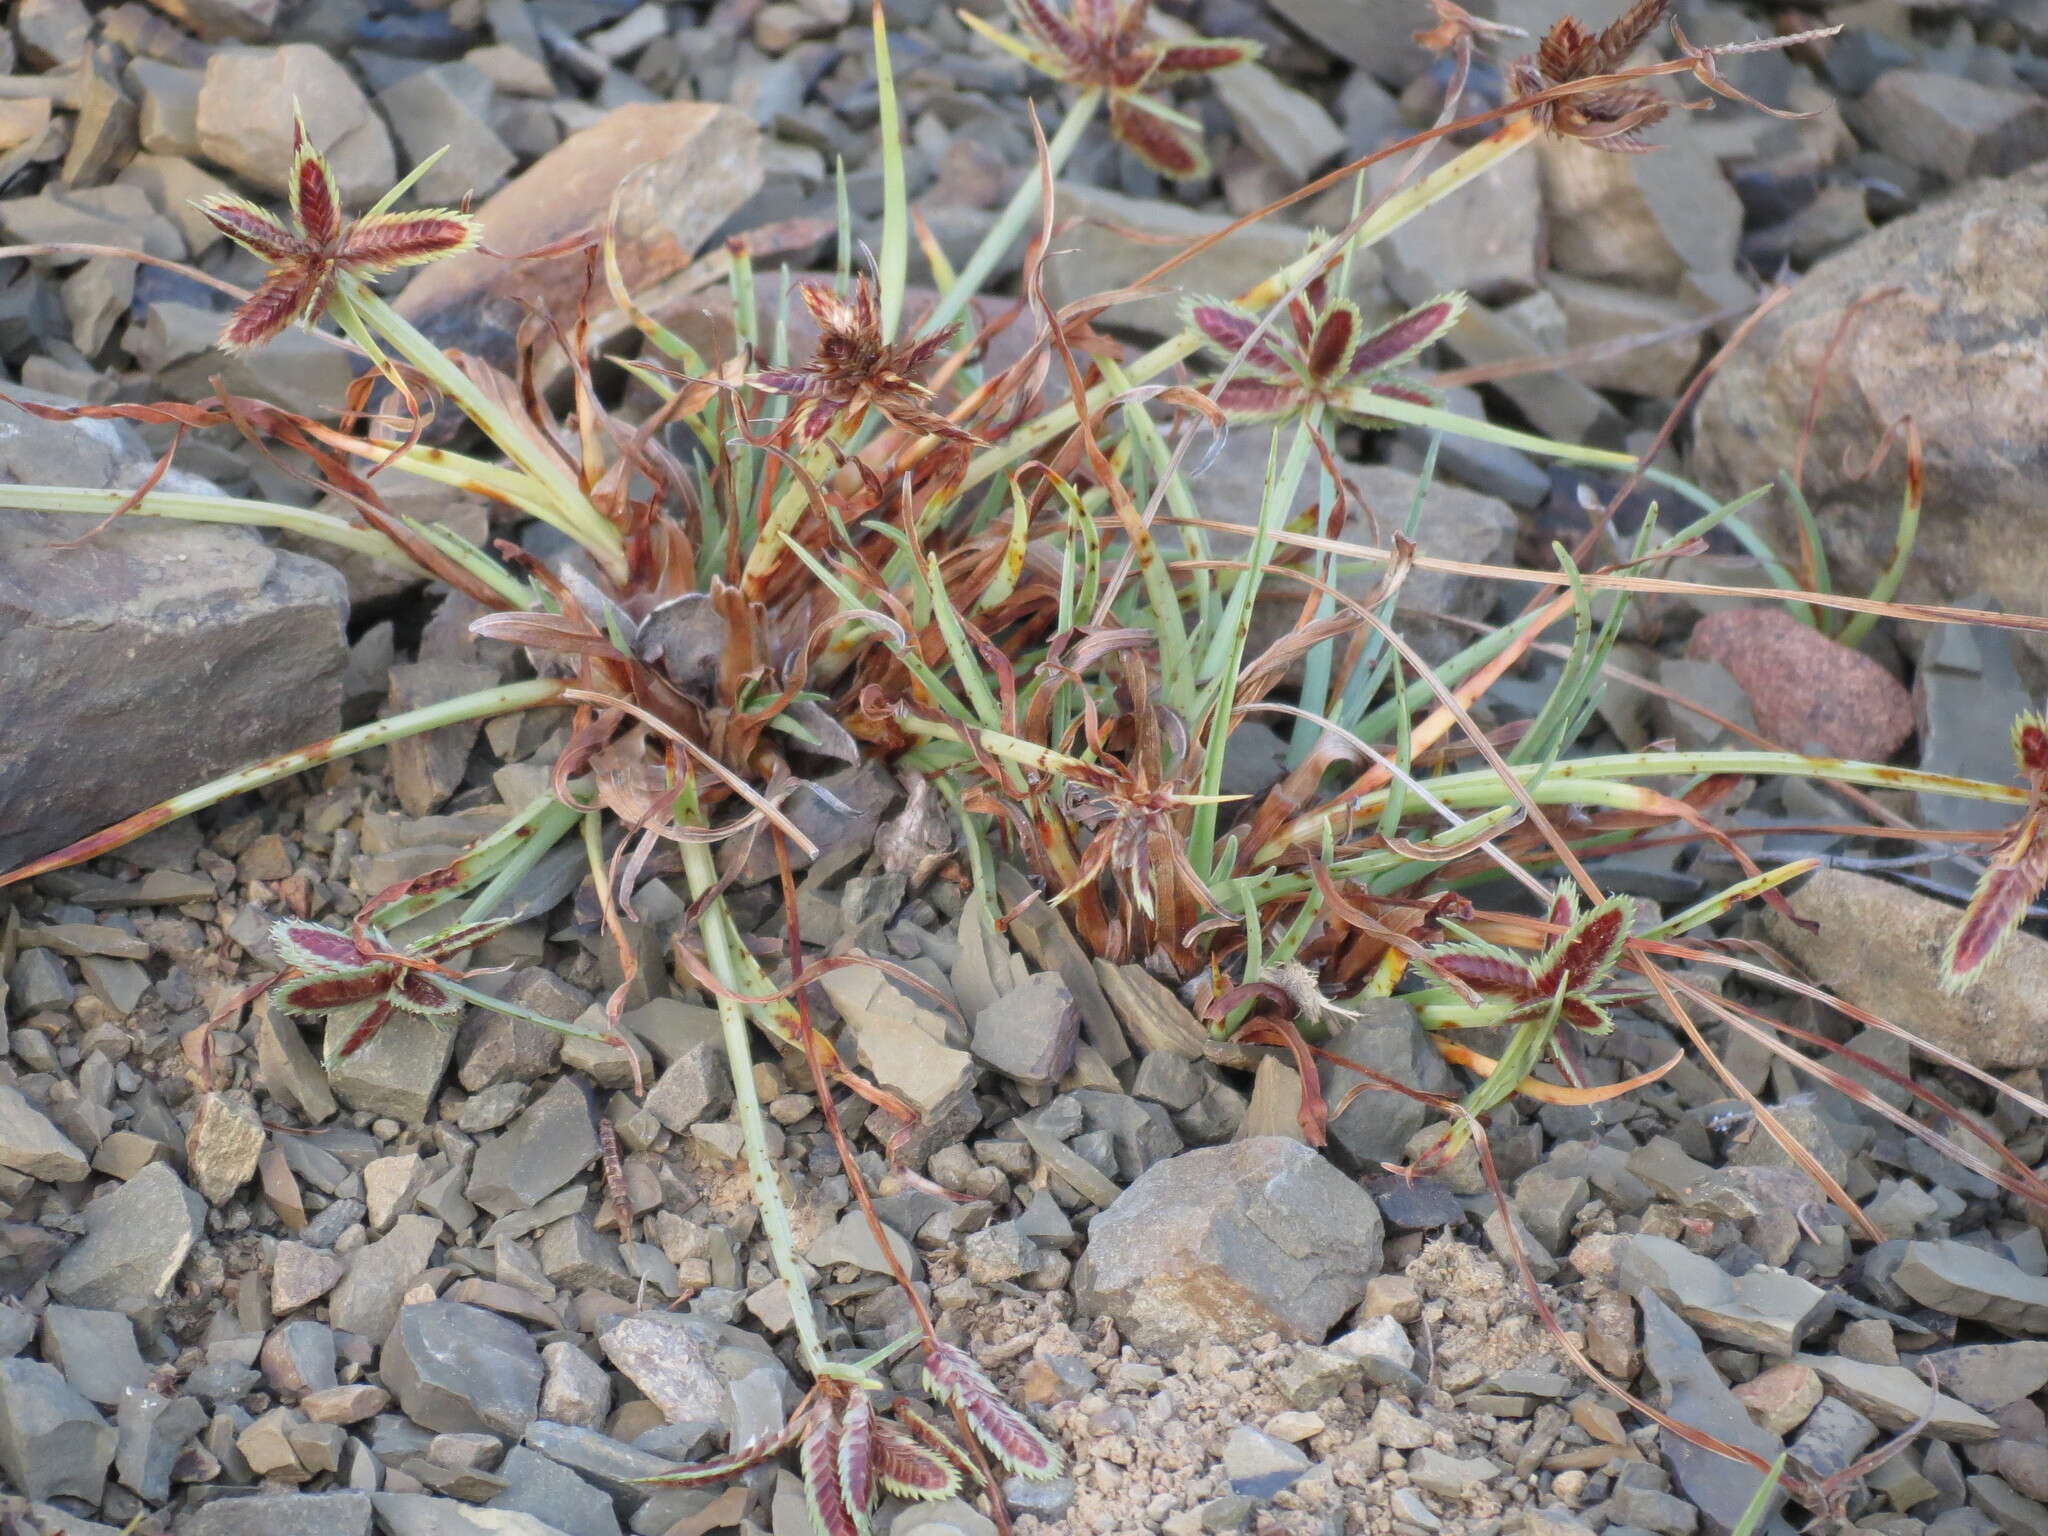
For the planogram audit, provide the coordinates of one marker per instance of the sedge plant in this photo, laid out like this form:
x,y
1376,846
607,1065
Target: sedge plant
x,y
1021,605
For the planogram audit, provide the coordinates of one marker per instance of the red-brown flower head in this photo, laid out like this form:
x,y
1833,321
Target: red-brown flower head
x,y
1320,351
1102,45
1610,119
856,367
312,256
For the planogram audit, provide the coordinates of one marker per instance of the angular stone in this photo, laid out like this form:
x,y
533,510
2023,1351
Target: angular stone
x,y
368,1301
1954,126
1374,1127
670,1366
498,1048
1895,1397
552,1493
614,1467
552,1140
30,1144
1992,1376
1226,1243
399,1072
455,1368
299,1357
1030,1032
448,106
427,769
136,1239
1691,1390
1808,692
223,1145
902,1045
686,167
1597,312
301,1275
1260,1465
53,1442
245,119
1119,240
695,1084
281,1514
1996,1023
421,1514
1966,1281
287,1069
95,1351
1781,1397
151,1432
1765,1310
577,1390
163,624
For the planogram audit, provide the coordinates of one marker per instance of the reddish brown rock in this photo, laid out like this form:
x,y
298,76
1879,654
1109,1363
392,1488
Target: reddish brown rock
x,y
1808,692
687,167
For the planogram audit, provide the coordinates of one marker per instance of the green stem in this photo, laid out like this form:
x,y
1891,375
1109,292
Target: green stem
x,y
232,510
1603,780
722,946
502,700
572,511
1010,222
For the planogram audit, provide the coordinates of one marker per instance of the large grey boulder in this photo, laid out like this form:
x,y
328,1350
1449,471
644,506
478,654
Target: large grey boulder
x,y
1958,343
1226,1243
153,656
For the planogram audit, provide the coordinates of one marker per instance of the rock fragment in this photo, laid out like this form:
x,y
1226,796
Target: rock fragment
x,y
223,1145
53,1443
456,1368
30,1144
1226,1243
135,1242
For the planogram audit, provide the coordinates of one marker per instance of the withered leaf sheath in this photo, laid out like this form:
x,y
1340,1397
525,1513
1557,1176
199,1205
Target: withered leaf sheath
x,y
856,368
312,255
1101,45
1610,119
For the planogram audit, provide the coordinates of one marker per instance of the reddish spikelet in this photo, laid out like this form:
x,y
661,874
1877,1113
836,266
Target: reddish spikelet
x,y
363,1030
284,296
819,1458
388,240
312,947
916,1459
1229,328
1588,949
1335,340
1402,340
1566,977
857,1456
1609,119
321,993
2014,873
417,993
855,368
951,1376
1251,400
1165,147
1178,63
1487,971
